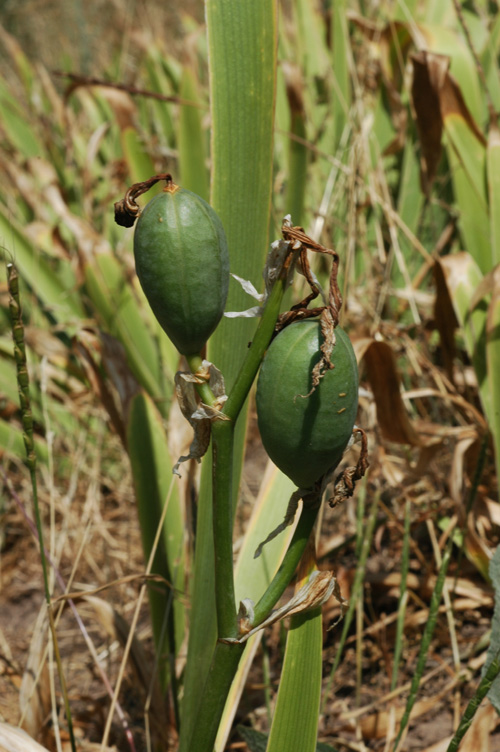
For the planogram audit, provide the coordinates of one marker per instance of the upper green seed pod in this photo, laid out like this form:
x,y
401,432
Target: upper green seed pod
x,y
305,436
182,262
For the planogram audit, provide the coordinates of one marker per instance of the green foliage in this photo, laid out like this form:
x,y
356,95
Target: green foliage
x,y
405,189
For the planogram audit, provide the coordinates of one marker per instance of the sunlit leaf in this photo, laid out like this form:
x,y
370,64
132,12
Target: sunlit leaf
x,y
295,720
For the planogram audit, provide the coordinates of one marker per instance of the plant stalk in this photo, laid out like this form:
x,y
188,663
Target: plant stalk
x,y
257,349
222,477
27,422
288,566
220,677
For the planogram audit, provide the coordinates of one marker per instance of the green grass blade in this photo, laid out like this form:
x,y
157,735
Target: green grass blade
x,y
405,10
467,159
403,597
139,163
463,276
493,365
159,82
410,201
341,54
295,720
15,123
493,167
152,476
297,150
117,309
56,297
494,638
192,151
489,61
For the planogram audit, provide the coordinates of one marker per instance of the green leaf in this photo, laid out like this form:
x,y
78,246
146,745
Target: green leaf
x,y
242,69
242,106
257,741
467,159
139,162
489,60
341,56
192,152
405,10
59,299
252,576
295,720
117,308
493,166
15,123
493,364
410,201
463,277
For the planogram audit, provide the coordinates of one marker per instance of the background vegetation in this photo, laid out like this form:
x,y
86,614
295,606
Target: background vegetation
x,y
386,147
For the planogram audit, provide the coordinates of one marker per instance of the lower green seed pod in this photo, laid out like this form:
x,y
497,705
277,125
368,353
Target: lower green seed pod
x,y
182,262
305,436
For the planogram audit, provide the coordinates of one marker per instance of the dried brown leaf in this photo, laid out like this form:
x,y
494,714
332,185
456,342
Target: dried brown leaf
x,y
382,373
445,318
435,95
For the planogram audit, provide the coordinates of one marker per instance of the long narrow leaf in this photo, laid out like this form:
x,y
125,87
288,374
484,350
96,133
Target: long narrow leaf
x,y
295,721
252,576
117,308
192,151
493,364
56,297
242,56
341,55
493,166
242,65
463,276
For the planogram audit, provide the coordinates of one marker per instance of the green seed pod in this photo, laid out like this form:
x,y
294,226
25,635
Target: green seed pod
x,y
305,436
182,262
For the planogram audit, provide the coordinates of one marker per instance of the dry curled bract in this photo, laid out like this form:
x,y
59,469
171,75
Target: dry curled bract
x,y
329,313
199,415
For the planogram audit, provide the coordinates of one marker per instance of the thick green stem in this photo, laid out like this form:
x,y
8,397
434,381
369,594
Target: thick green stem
x,y
222,439
224,666
260,343
284,575
222,471
226,657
